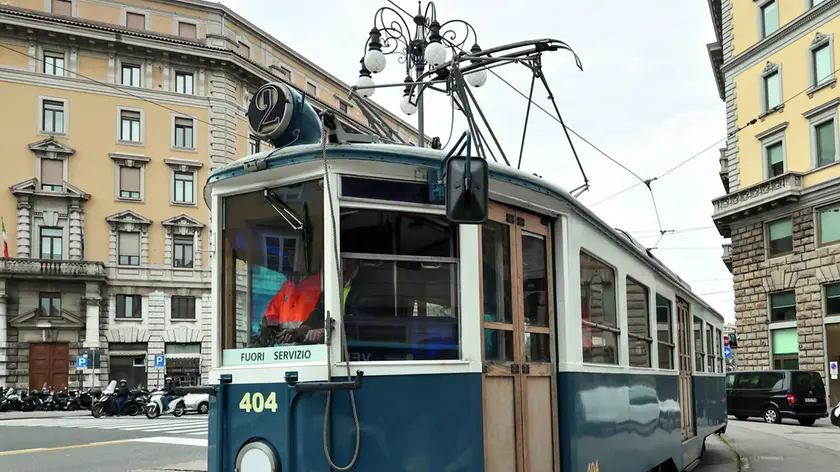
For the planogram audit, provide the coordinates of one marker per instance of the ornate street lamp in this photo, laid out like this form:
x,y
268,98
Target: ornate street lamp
x,y
420,43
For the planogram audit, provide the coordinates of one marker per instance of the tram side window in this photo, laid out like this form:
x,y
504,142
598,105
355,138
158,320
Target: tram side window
x,y
272,266
401,286
638,323
699,352
710,348
719,350
598,311
664,333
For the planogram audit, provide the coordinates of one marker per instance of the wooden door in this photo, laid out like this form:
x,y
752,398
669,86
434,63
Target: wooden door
x,y
519,412
686,388
48,363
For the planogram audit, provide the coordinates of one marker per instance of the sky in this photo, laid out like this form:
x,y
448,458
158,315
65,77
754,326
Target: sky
x,y
646,97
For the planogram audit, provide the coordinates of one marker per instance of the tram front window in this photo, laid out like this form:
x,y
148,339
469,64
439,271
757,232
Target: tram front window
x,y
401,303
273,252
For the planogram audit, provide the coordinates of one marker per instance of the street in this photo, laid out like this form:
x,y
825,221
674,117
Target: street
x,y
765,447
84,443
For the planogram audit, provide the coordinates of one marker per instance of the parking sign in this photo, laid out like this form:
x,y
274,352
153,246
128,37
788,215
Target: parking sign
x,y
160,360
81,362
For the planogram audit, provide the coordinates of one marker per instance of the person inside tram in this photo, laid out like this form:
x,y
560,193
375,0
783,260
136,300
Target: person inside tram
x,y
311,330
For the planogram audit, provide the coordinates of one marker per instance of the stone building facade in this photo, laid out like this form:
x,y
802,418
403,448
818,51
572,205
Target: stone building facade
x,y
774,66
121,110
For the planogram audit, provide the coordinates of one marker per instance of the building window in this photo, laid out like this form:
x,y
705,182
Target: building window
x,y
785,348
825,134
664,332
769,16
187,30
822,64
780,237
775,159
62,7
783,306
638,323
129,248
244,50
772,90
311,89
130,126
130,183
283,72
598,311
342,106
50,305
832,300
184,133
253,145
52,175
135,20
131,75
184,83
183,183
829,225
54,63
816,2
699,352
183,308
52,243
52,117
129,306
183,250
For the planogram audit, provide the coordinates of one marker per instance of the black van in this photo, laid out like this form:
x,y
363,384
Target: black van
x,y
776,394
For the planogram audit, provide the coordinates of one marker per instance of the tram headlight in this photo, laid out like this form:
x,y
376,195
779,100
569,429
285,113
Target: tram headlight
x,y
256,456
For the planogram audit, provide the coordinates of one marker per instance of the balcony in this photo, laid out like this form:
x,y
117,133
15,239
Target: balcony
x,y
780,190
52,269
158,276
727,256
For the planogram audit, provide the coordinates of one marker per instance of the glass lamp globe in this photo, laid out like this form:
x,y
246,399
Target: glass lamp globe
x,y
375,61
435,54
477,78
406,106
365,81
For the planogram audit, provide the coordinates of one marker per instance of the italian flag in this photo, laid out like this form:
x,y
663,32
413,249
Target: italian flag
x,y
5,240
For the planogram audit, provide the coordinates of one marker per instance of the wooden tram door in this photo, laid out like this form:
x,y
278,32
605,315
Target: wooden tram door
x,y
686,390
519,413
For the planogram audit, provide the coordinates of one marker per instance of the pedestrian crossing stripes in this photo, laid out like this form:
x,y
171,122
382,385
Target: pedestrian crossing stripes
x,y
195,426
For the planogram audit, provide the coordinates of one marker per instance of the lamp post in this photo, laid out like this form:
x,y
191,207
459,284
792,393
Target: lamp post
x,y
420,42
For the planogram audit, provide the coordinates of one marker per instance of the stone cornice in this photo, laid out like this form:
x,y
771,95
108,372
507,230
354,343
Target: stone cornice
x,y
800,26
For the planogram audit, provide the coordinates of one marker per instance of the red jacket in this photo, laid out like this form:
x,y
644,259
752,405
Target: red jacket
x,y
294,303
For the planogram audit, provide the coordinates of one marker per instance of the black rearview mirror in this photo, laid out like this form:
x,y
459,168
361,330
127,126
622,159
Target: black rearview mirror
x,y
467,194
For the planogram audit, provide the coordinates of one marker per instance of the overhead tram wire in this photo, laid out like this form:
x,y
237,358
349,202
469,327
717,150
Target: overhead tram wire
x,y
732,134
126,92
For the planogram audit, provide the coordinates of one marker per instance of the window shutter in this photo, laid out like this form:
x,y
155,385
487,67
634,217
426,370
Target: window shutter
x,y
130,179
187,30
62,7
135,20
129,244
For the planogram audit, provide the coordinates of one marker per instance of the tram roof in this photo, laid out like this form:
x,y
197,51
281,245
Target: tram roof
x,y
428,157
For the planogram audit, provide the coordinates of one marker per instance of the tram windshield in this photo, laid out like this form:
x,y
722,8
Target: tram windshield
x,y
399,269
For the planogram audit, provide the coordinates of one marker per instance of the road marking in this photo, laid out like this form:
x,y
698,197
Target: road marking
x,y
171,440
61,448
180,426
770,458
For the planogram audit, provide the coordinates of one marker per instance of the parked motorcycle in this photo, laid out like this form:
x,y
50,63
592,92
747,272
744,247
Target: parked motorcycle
x,y
155,406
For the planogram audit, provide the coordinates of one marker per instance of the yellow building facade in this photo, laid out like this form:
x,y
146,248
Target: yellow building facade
x,y
114,113
775,64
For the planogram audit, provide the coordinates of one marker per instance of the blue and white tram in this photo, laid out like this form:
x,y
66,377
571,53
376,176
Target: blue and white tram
x,y
539,340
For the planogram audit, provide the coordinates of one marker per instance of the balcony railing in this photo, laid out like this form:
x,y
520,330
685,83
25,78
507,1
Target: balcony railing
x,y
52,268
779,190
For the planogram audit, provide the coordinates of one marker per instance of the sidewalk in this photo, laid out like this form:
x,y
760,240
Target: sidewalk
x,y
719,457
194,466
21,415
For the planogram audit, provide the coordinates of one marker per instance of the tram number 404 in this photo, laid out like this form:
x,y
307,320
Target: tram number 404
x,y
258,403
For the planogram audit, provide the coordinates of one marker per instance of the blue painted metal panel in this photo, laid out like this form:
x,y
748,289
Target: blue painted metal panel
x,y
625,422
709,404
409,423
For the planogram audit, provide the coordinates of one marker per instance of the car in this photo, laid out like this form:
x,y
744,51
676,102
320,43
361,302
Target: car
x,y
776,394
198,402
